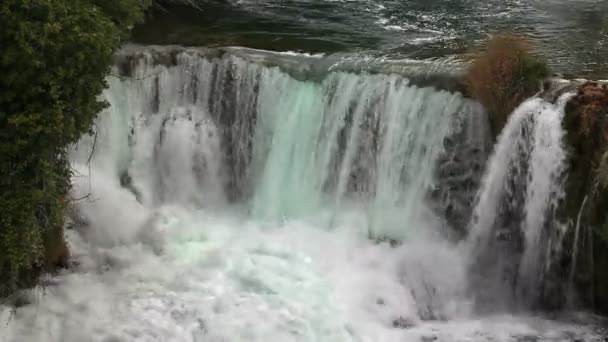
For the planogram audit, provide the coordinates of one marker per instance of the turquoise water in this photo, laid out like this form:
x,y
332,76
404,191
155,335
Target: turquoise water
x,y
323,145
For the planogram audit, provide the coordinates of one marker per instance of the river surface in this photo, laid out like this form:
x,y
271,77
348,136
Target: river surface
x,y
571,34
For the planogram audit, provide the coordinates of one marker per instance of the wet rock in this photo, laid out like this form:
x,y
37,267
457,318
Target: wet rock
x,y
527,338
201,324
75,219
402,323
127,182
428,338
586,125
18,300
393,243
555,86
460,169
586,111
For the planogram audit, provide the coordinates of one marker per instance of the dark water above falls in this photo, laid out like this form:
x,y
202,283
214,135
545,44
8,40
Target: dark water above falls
x,y
572,34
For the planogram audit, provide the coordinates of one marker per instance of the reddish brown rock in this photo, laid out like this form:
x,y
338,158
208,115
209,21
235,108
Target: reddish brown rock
x,y
586,124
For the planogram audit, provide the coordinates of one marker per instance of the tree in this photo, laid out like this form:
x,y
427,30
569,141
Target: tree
x,y
54,56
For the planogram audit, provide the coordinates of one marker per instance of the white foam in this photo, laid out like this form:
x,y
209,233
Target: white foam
x,y
217,278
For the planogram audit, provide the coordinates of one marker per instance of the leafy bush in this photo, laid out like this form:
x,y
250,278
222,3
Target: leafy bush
x,y
504,74
54,58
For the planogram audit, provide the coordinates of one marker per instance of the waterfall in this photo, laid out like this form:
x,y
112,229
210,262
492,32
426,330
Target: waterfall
x,y
237,195
190,135
574,255
201,129
349,137
169,155
513,226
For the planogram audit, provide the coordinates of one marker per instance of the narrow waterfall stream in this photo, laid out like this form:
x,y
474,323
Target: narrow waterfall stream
x,y
521,189
231,197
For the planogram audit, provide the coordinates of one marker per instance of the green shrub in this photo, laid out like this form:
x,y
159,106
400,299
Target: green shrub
x,y
54,57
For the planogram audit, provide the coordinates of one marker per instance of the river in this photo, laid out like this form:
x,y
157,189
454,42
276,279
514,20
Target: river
x,y
337,189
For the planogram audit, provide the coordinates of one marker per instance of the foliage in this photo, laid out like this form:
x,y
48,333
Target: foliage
x,y
503,75
54,58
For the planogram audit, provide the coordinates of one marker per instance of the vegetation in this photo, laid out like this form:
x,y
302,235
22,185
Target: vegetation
x,y
503,75
54,58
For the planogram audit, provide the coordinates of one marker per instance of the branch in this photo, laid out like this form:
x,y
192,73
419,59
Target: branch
x,y
89,194
82,198
92,148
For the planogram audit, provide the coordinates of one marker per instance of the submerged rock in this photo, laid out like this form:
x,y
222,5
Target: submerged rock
x,y
403,323
428,338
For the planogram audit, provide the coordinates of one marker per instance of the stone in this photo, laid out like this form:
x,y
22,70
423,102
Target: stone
x,y
402,323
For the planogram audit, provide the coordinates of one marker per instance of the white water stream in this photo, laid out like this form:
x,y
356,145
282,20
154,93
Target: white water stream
x,y
518,197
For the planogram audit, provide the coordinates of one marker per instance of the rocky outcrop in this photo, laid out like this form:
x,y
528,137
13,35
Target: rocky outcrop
x,y
585,252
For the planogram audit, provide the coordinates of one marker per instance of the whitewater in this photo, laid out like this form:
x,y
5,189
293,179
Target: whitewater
x,y
223,198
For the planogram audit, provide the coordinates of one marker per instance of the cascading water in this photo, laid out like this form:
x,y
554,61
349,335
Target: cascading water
x,y
377,137
519,193
294,146
232,197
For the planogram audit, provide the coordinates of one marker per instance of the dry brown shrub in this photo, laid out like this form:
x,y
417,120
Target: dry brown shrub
x,y
503,74
592,99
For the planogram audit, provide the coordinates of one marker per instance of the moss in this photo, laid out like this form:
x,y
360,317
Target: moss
x,y
503,74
